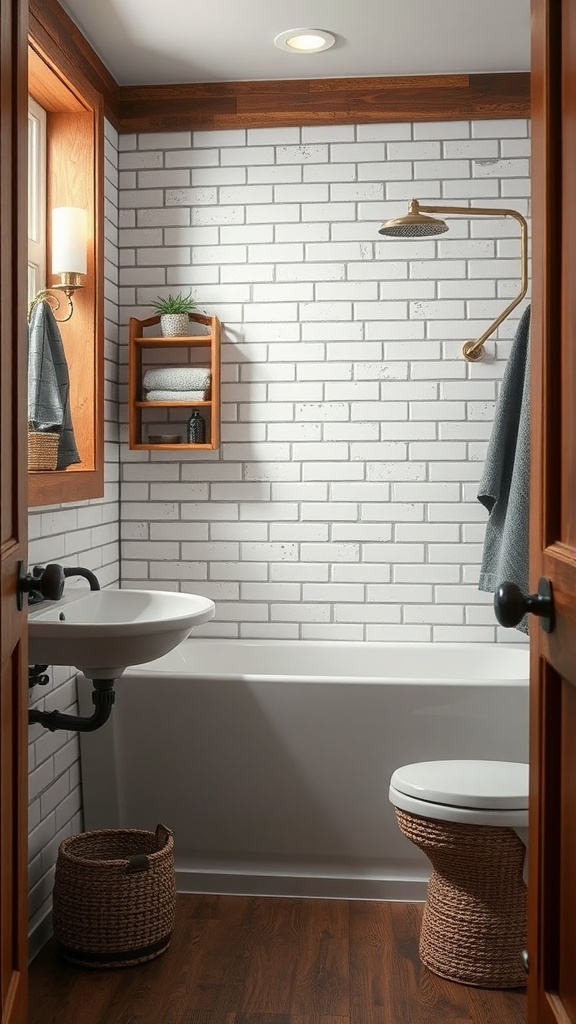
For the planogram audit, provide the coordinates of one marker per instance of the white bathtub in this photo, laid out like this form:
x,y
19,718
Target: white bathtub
x,y
271,760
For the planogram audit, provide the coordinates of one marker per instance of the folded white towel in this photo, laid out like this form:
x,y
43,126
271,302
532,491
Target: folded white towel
x,y
175,396
177,378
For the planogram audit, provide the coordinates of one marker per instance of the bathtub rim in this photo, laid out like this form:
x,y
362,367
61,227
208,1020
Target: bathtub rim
x,y
152,668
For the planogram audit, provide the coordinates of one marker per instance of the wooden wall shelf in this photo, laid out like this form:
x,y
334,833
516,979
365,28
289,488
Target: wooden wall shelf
x,y
170,349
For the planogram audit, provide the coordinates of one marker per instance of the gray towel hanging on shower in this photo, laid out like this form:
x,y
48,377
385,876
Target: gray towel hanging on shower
x,y
504,487
49,383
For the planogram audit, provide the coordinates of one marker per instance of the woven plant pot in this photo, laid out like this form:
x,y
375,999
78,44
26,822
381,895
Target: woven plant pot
x,y
174,325
115,896
42,451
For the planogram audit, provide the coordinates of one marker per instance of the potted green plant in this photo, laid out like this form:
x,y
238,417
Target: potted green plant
x,y
173,311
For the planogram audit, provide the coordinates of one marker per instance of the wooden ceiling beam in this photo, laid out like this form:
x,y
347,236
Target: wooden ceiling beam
x,y
323,101
189,107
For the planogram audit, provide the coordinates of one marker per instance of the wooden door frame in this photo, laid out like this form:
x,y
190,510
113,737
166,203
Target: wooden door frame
x,y
544,175
544,455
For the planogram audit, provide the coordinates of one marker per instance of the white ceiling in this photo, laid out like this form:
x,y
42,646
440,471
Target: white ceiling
x,y
154,42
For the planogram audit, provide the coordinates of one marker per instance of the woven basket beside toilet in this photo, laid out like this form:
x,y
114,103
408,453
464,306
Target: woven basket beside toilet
x,y
468,818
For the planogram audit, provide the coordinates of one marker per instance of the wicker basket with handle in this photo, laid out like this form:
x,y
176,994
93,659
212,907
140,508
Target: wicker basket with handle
x,y
115,896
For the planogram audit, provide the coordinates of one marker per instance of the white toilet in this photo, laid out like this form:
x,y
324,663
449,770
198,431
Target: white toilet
x,y
471,819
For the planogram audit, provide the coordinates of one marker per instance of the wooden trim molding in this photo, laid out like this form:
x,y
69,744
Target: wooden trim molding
x,y
66,48
322,101
75,171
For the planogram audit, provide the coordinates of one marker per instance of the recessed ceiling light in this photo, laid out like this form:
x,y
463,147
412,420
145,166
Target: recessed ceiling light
x,y
305,40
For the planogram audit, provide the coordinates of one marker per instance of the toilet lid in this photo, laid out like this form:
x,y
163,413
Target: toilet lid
x,y
484,784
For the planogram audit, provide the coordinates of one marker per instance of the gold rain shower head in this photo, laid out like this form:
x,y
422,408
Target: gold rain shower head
x,y
415,224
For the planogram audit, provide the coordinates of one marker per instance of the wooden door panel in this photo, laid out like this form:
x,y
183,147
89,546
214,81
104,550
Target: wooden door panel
x,y
13,504
565,230
552,893
544,887
10,898
567,851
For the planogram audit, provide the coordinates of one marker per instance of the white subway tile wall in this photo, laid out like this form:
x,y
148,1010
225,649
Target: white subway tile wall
x,y
85,534
341,504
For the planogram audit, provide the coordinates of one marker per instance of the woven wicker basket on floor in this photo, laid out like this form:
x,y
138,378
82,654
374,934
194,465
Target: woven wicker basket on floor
x,y
115,896
474,926
42,451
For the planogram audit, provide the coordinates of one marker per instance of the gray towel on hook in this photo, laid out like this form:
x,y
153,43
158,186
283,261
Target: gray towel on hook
x,y
49,383
504,487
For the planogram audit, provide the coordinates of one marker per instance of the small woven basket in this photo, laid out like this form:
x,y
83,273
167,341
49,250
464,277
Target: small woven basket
x,y
115,896
42,450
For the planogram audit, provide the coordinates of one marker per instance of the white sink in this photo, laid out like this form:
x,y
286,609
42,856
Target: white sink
x,y
104,631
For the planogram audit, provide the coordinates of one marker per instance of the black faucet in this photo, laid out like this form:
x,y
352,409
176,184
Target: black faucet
x,y
86,573
46,583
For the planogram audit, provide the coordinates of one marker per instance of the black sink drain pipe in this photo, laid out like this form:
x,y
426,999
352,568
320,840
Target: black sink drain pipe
x,y
103,697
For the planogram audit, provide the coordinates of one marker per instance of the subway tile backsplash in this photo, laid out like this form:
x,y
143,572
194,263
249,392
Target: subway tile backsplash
x,y
342,500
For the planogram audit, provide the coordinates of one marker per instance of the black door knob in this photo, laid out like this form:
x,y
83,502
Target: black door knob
x,y
510,604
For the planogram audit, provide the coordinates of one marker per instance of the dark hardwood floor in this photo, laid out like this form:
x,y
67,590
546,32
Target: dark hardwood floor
x,y
261,960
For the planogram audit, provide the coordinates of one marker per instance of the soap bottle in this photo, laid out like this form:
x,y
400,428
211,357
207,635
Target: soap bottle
x,y
196,428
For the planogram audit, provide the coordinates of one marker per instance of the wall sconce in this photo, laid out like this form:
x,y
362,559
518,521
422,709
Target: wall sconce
x,y
69,261
416,225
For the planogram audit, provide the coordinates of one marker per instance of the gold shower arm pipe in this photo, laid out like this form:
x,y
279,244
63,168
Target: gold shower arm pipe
x,y
474,350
